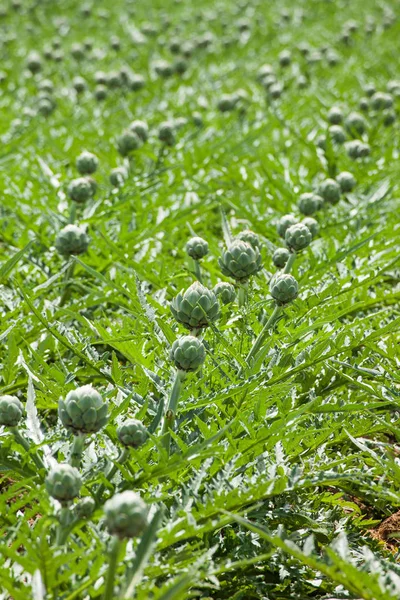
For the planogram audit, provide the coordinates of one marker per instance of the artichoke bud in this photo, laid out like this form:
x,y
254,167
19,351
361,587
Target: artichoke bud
x,y
141,129
80,190
166,133
127,142
312,225
280,257
250,237
225,291
346,181
83,411
11,411
329,190
85,508
87,163
284,288
63,483
309,204
284,223
188,353
197,307
132,433
197,248
240,260
126,515
298,237
71,240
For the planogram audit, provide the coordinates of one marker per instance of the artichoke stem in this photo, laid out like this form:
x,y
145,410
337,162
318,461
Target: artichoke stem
x,y
290,262
169,418
197,271
112,567
72,213
63,528
67,287
262,335
242,294
22,441
77,449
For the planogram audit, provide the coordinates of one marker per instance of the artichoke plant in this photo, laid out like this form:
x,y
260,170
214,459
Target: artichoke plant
x,y
298,237
132,433
197,248
225,291
240,260
127,142
284,288
346,181
309,203
11,411
63,483
195,308
126,515
280,257
83,411
188,353
71,240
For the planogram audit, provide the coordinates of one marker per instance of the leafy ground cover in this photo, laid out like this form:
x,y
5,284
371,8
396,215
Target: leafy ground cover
x,y
228,422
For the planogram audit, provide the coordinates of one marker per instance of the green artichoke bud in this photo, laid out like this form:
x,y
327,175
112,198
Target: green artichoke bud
x,y
240,260
136,83
126,515
225,291
80,190
83,410
309,203
275,90
284,288
85,508
284,223
188,353
363,104
166,133
337,134
250,237
34,62
285,58
100,92
330,191
346,181
197,248
163,68
71,240
87,163
132,433
127,142
197,307
141,129
11,411
226,103
63,483
280,257
389,117
370,90
118,176
335,115
355,123
354,149
312,225
380,101
79,84
298,237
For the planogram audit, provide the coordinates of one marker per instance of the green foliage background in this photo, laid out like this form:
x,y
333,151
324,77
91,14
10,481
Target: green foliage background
x,y
275,478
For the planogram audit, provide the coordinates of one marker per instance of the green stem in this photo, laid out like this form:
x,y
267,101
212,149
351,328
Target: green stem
x,y
242,294
169,418
262,335
72,213
197,270
123,455
290,263
112,567
76,450
63,528
67,287
22,441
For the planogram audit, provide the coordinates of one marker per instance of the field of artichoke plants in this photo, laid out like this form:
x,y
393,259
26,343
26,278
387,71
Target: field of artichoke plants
x,y
200,300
